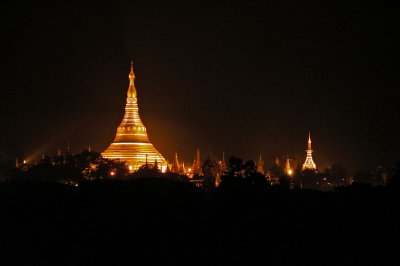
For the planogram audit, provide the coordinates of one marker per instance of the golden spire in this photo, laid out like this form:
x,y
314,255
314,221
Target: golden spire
x,y
132,89
288,169
309,163
131,143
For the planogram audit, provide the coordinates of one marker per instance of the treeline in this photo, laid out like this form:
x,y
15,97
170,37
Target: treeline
x,y
74,169
154,221
152,218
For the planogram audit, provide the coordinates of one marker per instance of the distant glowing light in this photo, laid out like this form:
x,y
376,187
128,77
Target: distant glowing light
x,y
290,172
24,161
130,167
112,173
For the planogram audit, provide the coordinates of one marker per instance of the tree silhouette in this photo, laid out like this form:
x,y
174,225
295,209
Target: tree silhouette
x,y
145,171
284,182
211,171
235,166
250,168
364,176
243,176
310,179
337,174
394,181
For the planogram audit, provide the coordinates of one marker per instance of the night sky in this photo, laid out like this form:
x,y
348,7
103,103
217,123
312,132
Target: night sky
x,y
248,79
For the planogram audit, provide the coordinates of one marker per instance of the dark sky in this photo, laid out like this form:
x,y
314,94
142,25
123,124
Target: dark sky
x,y
248,78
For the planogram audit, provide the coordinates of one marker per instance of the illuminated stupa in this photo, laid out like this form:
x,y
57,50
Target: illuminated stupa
x,y
131,143
309,163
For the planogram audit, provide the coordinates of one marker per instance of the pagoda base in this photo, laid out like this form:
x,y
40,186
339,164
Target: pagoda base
x,y
134,154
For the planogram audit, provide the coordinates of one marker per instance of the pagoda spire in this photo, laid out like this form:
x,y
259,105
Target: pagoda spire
x,y
175,165
288,168
131,143
222,163
131,89
309,163
197,164
260,165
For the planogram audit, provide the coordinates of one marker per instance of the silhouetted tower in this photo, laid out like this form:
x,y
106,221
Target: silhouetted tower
x,y
222,164
211,173
175,164
197,164
182,169
260,165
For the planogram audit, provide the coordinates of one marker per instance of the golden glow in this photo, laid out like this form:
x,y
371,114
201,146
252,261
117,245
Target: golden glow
x,y
112,173
288,169
309,163
132,90
131,143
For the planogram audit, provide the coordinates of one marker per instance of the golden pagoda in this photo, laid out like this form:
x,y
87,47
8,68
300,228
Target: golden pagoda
x,y
131,143
309,163
288,169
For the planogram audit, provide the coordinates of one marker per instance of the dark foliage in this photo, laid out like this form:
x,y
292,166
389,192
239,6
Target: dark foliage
x,y
242,176
394,182
154,218
162,221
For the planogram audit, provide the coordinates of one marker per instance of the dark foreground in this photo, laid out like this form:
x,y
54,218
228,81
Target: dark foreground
x,y
163,222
